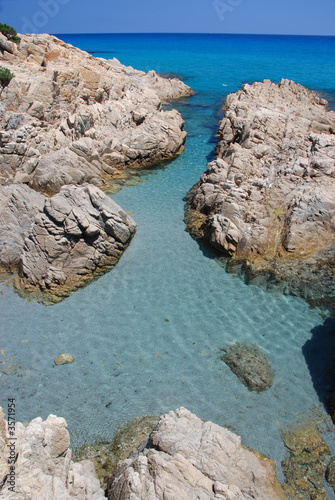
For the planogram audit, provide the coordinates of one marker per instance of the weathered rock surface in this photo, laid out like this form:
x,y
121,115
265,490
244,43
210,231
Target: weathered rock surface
x,y
267,201
330,472
186,458
43,468
19,205
68,118
79,234
250,365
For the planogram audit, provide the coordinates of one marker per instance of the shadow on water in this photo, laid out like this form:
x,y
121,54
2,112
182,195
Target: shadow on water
x,y
208,251
319,353
213,126
178,76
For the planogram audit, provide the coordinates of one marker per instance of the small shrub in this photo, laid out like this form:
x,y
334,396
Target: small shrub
x,y
5,76
15,39
10,33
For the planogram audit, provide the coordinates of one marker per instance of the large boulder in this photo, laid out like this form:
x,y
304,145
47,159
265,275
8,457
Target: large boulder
x,y
37,463
267,201
187,458
79,234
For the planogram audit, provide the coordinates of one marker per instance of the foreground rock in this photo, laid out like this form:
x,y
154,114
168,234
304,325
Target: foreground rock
x,y
79,234
43,468
68,118
250,365
186,458
267,200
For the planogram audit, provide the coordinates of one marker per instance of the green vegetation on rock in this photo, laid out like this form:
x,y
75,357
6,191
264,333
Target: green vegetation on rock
x,y
10,33
5,76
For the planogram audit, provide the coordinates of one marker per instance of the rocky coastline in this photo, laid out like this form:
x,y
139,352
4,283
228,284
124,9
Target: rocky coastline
x,y
183,457
174,456
68,118
70,125
266,202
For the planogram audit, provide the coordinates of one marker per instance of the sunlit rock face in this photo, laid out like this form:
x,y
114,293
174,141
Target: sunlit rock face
x,y
68,118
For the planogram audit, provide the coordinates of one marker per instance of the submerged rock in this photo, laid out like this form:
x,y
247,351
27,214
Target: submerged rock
x,y
267,200
186,458
330,473
250,365
43,467
305,468
80,234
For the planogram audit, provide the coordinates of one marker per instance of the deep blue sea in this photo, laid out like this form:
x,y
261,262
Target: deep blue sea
x,y
147,336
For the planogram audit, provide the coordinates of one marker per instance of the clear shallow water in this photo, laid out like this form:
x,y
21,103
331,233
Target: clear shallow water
x,y
146,337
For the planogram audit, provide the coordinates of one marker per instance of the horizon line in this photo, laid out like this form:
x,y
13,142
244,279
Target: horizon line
x,y
193,33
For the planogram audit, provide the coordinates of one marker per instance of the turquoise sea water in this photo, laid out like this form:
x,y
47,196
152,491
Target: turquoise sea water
x,y
146,337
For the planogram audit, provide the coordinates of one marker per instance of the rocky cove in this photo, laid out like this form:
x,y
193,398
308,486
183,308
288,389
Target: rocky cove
x,y
58,219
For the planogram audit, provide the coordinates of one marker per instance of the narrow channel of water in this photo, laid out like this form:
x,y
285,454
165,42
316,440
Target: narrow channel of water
x,y
146,337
